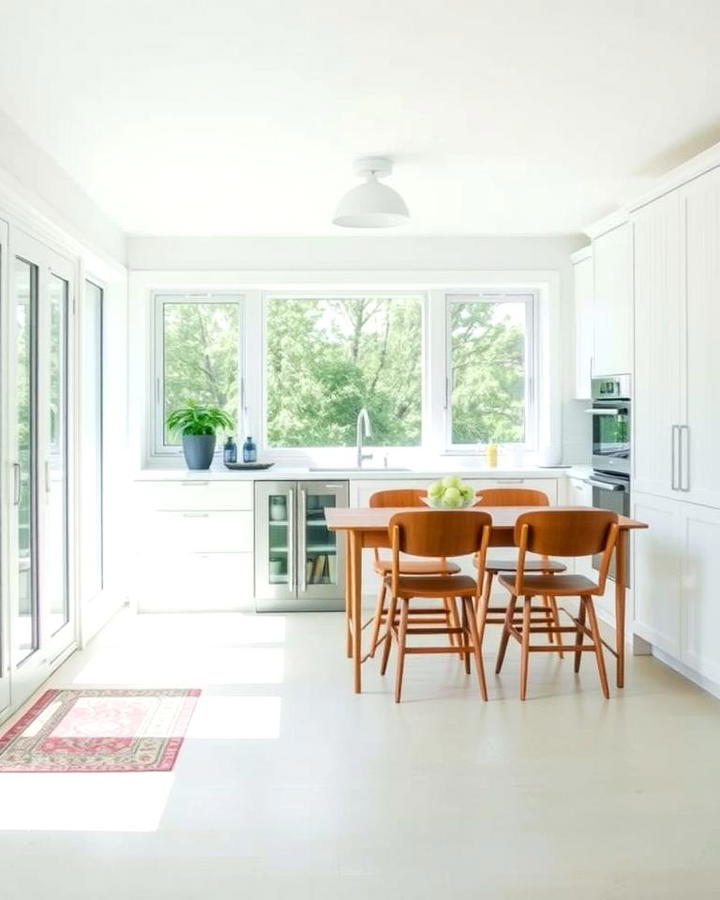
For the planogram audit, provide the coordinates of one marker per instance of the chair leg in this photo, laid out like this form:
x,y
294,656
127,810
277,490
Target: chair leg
x,y
465,636
475,638
580,634
525,650
556,623
598,647
389,625
455,621
377,621
509,617
482,611
402,637
447,601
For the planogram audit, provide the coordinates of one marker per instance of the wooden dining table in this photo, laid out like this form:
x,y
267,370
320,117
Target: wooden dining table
x,y
368,527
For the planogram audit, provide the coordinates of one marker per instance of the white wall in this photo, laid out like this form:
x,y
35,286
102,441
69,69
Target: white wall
x,y
158,263
31,180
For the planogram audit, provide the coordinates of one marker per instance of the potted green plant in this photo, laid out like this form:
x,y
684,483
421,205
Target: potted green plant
x,y
198,425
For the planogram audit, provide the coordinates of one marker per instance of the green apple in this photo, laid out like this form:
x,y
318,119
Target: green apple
x,y
451,481
467,491
435,490
452,497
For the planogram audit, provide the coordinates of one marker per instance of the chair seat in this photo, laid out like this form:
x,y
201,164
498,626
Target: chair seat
x,y
434,585
531,565
417,567
552,585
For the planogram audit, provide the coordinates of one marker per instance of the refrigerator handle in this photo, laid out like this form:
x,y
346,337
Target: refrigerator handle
x,y
291,538
302,555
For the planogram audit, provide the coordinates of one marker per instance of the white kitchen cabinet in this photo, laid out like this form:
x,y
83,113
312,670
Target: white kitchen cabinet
x,y
658,566
194,543
700,578
677,567
612,266
659,312
583,291
700,438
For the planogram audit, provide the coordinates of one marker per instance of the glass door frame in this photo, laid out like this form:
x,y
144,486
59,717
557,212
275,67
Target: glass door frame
x,y
320,594
28,672
7,309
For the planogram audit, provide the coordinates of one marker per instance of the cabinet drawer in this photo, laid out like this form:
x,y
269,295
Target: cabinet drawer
x,y
197,582
198,531
191,495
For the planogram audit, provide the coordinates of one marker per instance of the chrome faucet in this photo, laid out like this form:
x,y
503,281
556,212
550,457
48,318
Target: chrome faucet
x,y
363,420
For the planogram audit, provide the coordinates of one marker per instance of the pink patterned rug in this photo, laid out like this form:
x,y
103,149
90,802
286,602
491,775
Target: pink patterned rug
x,y
99,731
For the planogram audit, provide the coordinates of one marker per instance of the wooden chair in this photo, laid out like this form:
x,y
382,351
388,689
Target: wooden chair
x,y
383,566
548,612
557,532
435,533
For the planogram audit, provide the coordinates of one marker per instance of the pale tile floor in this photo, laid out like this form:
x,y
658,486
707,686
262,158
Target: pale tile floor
x,y
291,786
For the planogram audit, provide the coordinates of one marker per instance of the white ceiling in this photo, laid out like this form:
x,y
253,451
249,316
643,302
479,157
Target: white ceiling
x,y
241,117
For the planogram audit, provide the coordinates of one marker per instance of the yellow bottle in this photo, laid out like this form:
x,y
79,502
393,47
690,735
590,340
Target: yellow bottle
x,y
491,454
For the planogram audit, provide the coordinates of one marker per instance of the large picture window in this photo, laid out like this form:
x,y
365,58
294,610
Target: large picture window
x,y
328,357
490,368
198,356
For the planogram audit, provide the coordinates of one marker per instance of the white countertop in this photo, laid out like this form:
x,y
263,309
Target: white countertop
x,y
289,473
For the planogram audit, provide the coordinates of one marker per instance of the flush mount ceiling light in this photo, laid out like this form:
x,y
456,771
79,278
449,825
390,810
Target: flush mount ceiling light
x,y
371,204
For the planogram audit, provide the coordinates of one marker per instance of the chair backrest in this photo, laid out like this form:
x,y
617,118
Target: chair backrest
x,y
439,532
511,497
398,497
567,532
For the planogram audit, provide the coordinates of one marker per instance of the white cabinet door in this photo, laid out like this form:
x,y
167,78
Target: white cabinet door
x,y
579,492
613,301
700,478
583,291
658,565
659,310
700,578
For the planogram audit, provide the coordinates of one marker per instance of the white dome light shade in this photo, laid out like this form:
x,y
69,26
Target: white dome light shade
x,y
372,205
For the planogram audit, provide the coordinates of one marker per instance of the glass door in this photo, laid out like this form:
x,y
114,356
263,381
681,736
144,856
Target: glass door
x,y
41,621
321,560
275,539
7,474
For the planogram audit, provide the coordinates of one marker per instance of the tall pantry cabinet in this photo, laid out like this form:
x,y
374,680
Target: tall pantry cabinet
x,y
676,469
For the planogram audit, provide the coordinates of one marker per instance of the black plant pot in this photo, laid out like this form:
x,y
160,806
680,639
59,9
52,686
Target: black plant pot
x,y
198,450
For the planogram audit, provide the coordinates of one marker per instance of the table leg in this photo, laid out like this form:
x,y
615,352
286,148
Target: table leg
x,y
620,579
348,597
356,607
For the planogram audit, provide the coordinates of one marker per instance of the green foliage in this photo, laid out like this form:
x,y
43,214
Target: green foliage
x,y
197,419
200,342
327,358
488,372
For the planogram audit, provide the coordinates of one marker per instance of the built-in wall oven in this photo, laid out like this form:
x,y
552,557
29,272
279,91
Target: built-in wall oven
x,y
611,418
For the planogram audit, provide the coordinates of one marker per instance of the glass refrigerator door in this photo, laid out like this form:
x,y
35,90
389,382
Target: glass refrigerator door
x,y
275,525
320,551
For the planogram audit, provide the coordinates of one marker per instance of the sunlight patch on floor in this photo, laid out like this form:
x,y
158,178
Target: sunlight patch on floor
x,y
93,801
236,718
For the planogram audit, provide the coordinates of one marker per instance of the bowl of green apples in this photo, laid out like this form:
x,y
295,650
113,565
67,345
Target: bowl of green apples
x,y
450,492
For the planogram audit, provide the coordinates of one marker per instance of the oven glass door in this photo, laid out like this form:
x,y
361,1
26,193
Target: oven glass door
x,y
611,430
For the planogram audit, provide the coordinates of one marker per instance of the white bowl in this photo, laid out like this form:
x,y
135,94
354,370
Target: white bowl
x,y
437,504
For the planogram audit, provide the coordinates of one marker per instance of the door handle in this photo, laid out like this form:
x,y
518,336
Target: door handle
x,y
674,479
16,484
47,476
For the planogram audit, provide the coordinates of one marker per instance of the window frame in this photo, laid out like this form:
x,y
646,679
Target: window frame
x,y
532,357
311,453
160,299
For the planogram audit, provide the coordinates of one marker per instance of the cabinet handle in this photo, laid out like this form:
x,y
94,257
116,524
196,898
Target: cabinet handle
x,y
291,539
47,476
194,483
195,515
302,555
509,481
684,467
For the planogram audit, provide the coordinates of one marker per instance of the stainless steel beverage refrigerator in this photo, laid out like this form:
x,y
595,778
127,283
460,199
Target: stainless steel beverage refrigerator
x,y
299,564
